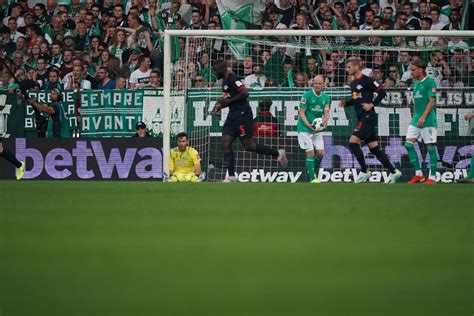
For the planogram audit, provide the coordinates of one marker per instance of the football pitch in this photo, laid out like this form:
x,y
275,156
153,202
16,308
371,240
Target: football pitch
x,y
144,248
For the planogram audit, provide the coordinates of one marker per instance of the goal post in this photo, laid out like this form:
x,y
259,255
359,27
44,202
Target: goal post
x,y
188,103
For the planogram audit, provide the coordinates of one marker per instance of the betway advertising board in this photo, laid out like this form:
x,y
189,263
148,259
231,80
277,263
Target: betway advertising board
x,y
86,159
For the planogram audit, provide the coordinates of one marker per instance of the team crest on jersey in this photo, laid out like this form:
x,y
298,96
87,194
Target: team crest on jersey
x,y
238,83
303,100
226,87
358,87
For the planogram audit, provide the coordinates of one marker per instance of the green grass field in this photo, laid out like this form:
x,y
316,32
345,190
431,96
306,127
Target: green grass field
x,y
116,248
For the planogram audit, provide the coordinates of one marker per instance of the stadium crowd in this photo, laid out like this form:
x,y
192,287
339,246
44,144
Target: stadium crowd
x,y
115,44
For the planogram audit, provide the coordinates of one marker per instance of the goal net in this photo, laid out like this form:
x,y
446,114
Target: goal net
x,y
277,67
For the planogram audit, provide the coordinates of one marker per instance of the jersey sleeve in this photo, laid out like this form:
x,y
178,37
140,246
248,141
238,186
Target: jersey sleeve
x,y
327,99
235,84
194,156
376,87
304,101
171,160
432,89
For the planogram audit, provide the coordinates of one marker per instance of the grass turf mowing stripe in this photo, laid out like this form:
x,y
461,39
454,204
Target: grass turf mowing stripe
x,y
136,248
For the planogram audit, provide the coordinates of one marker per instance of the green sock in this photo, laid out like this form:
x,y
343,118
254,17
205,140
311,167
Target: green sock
x,y
471,168
310,167
317,162
433,160
413,156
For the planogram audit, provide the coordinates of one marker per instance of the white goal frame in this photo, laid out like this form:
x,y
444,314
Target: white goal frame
x,y
167,66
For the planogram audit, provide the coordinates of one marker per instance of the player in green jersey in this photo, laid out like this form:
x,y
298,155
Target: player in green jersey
x,y
423,125
313,104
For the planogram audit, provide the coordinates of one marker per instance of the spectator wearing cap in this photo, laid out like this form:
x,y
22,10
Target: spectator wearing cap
x,y
15,13
13,87
257,79
105,83
141,76
7,44
68,41
141,130
75,7
133,60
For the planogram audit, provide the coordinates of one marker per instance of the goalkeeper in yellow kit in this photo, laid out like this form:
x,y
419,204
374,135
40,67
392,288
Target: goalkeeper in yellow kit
x,y
185,163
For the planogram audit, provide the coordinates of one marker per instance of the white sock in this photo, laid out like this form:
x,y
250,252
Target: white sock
x,y
418,173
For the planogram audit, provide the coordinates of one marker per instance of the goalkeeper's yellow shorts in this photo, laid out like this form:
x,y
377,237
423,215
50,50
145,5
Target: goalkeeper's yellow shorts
x,y
184,177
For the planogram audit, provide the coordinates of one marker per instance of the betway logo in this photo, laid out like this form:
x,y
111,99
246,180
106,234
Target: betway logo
x,y
349,175
90,160
260,175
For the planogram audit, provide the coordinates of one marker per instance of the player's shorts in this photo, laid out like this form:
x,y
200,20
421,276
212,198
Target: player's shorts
x,y
239,125
366,130
427,134
309,141
184,177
